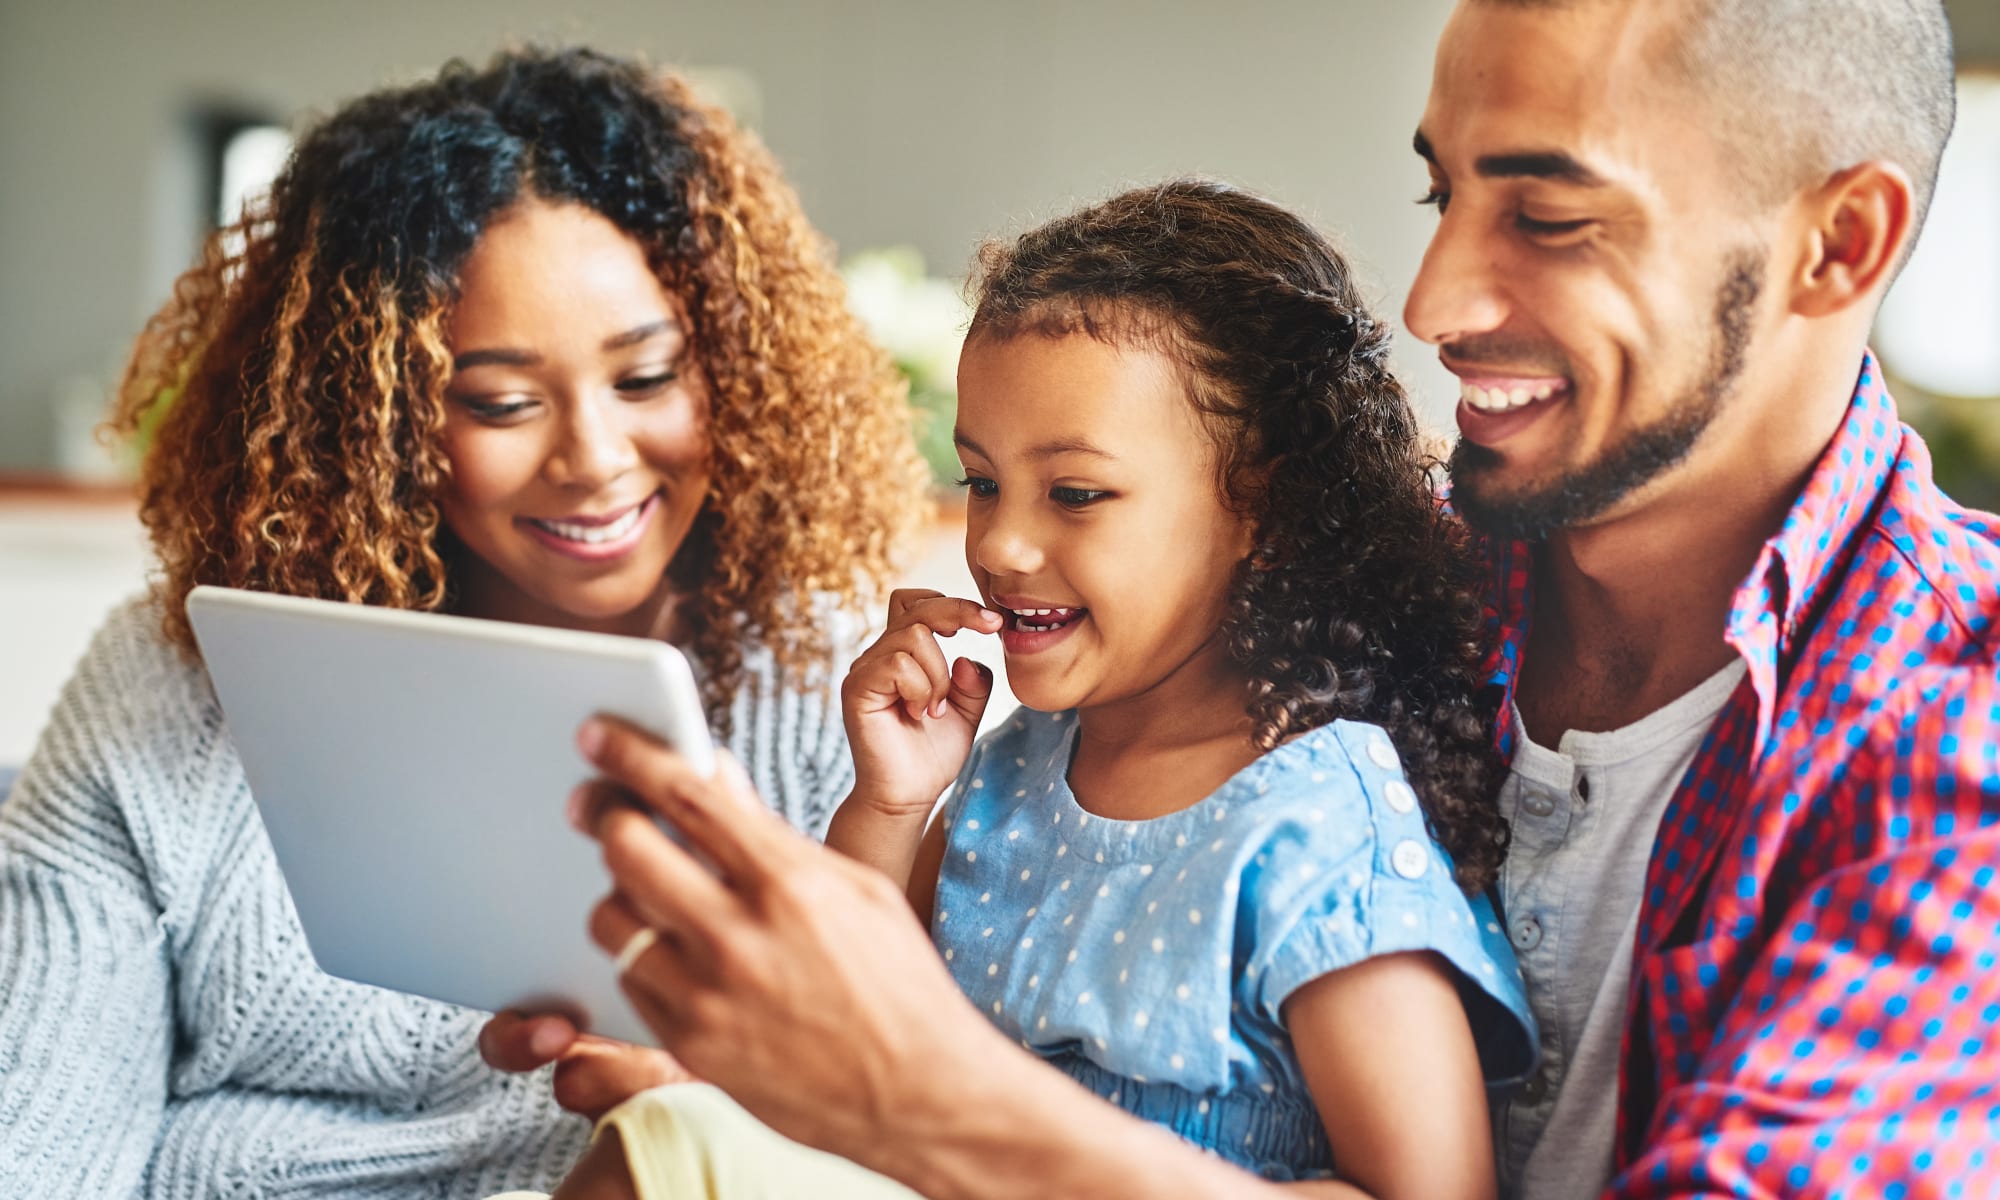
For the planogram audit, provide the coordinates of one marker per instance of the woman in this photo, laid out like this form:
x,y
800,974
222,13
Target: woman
x,y
547,341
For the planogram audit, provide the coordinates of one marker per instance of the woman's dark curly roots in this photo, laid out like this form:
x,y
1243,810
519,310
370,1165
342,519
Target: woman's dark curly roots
x,y
1361,599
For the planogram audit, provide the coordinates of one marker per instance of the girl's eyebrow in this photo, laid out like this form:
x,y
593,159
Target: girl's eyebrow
x,y
1049,449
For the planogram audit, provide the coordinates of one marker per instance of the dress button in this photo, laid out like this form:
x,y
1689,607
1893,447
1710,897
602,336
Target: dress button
x,y
1401,796
1536,1088
1526,933
1384,755
1410,859
1539,803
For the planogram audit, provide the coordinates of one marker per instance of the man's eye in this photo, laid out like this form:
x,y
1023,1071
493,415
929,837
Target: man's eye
x,y
1534,228
980,487
1070,497
1436,198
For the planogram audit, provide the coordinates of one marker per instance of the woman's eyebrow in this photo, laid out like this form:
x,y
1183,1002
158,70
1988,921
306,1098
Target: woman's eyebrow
x,y
528,358
640,333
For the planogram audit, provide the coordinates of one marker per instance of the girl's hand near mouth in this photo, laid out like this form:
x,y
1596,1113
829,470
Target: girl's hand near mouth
x,y
911,716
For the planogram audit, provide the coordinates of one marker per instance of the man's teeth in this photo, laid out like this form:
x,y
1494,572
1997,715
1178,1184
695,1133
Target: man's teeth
x,y
1499,399
1041,620
593,535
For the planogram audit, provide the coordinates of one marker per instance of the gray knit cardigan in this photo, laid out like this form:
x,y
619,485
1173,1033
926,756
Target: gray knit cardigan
x,y
164,1031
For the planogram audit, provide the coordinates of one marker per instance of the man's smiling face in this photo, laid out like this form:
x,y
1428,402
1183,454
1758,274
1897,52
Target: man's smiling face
x,y
1594,277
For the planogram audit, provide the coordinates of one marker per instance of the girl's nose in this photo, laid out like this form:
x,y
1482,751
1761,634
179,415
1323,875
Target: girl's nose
x,y
1001,543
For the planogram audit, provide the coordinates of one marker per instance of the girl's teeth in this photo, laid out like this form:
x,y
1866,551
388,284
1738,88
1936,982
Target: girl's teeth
x,y
595,535
1053,618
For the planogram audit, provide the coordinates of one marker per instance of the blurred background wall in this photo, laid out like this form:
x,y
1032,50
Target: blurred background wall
x,y
927,122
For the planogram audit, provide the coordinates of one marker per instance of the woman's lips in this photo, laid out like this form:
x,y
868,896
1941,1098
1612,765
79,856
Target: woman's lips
x,y
595,539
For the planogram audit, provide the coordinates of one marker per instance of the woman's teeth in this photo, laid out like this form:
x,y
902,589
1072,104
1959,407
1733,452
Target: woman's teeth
x,y
1042,620
1501,399
596,535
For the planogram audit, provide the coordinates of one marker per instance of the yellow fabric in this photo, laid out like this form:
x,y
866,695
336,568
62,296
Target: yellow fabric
x,y
689,1141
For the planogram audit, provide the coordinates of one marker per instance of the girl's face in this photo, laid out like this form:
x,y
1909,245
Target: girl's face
x,y
1093,524
576,425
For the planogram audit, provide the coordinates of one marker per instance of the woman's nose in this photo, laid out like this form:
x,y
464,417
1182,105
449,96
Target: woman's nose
x,y
594,447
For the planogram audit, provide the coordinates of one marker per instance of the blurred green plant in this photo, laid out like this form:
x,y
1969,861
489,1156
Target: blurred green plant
x,y
1964,439
921,321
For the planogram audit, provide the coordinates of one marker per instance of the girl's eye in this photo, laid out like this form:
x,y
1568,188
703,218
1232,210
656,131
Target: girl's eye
x,y
1534,228
981,487
1070,497
646,385
1436,198
496,412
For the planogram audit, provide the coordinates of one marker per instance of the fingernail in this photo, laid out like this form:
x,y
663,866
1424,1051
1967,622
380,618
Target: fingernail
x,y
573,807
937,710
546,1041
985,672
590,738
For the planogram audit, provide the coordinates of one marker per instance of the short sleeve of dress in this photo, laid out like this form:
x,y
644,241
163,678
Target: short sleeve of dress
x,y
1368,880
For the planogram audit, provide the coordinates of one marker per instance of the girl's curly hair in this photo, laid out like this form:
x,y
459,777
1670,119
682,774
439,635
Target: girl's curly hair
x,y
295,382
1361,599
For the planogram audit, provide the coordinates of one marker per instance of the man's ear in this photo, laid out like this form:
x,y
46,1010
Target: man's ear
x,y
1857,226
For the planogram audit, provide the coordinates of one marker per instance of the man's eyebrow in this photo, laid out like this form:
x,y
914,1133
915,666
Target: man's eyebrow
x,y
1552,165
528,358
1047,449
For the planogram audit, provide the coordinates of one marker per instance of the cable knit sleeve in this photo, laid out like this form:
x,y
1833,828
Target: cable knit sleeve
x,y
86,1028
790,738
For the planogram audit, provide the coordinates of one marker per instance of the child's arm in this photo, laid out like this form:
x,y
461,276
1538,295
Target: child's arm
x,y
1388,1055
910,721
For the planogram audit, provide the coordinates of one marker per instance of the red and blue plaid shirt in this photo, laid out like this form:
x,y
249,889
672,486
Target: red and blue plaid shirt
x,y
1816,984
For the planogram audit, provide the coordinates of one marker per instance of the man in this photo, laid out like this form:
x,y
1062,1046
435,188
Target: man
x,y
1736,612
1747,659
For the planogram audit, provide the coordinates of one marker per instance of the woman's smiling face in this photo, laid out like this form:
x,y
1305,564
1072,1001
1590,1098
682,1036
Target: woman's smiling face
x,y
576,425
1094,523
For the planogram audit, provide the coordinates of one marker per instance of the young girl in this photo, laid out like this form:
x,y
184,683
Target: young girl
x,y
1225,867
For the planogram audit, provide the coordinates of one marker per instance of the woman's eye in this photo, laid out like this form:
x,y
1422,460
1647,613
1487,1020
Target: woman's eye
x,y
1436,198
1072,497
980,487
646,385
495,411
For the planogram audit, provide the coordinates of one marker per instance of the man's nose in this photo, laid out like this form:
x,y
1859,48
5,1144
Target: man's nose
x,y
1458,292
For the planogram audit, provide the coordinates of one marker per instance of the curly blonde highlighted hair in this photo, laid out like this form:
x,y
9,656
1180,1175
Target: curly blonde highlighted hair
x,y
295,382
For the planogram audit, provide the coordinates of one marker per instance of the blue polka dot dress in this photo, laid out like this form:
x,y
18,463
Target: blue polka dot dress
x,y
1150,960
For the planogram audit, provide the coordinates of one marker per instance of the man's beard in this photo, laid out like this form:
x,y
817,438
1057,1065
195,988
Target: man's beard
x,y
1584,493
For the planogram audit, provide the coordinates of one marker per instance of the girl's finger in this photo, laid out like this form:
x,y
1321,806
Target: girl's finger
x,y
971,688
719,815
919,690
946,615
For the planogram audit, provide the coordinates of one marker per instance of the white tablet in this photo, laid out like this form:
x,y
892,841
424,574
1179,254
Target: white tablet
x,y
412,771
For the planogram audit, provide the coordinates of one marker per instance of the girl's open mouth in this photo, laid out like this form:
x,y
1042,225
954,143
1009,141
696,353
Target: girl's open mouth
x,y
1031,629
